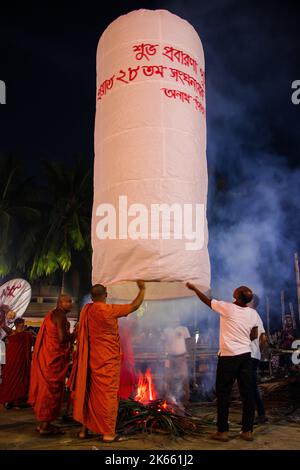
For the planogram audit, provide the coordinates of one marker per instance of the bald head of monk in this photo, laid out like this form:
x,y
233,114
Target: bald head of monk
x,y
20,325
98,293
64,302
242,295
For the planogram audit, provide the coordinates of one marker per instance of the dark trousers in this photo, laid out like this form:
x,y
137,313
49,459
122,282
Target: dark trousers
x,y
257,396
231,368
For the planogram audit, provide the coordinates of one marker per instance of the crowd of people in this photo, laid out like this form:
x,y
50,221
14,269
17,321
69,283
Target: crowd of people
x,y
281,346
103,367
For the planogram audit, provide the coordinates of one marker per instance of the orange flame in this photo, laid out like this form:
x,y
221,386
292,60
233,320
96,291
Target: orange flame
x,y
145,390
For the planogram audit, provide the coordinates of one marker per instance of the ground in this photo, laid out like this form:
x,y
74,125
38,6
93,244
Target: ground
x,y
17,429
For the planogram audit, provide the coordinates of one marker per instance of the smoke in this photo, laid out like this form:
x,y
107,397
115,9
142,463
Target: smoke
x,y
253,229
253,200
252,145
149,343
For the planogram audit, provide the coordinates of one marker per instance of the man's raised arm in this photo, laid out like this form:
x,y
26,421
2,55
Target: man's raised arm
x,y
201,296
135,304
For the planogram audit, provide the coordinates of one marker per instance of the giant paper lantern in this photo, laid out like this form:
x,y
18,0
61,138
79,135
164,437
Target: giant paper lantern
x,y
150,171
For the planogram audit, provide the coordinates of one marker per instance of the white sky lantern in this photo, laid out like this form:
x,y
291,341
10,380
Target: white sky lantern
x,y
150,172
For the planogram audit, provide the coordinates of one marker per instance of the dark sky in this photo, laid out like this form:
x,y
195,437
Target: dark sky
x,y
47,60
252,50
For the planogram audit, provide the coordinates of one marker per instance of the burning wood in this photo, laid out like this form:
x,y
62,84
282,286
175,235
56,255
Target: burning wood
x,y
146,413
156,416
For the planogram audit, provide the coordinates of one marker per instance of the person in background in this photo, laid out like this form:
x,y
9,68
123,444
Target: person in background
x,y
50,362
7,317
288,336
257,346
289,332
16,371
6,322
176,364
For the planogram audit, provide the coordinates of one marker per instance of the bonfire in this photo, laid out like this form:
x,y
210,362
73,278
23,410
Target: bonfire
x,y
147,413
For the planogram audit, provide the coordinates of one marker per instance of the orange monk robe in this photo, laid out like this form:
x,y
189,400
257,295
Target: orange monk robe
x,y
71,380
16,371
49,367
96,374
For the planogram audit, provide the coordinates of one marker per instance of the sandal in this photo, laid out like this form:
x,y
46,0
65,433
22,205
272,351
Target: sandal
x,y
53,431
114,439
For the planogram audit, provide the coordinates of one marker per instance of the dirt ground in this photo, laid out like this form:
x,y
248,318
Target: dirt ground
x,y
17,429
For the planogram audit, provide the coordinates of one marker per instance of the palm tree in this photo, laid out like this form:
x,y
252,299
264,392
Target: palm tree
x,y
18,218
66,204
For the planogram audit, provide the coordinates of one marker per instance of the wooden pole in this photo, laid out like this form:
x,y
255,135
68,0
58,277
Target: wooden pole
x,y
297,282
268,315
293,315
268,333
282,307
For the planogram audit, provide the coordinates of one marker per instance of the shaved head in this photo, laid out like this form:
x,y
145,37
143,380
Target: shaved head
x,y
64,302
243,294
20,325
98,292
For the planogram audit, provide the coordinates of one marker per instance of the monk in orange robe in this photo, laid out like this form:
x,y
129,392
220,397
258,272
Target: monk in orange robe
x,y
50,363
96,373
16,371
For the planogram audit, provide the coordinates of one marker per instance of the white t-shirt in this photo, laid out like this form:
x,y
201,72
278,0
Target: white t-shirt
x,y
255,349
236,324
175,340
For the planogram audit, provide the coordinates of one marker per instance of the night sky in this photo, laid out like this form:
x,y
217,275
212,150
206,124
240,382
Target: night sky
x,y
252,50
47,60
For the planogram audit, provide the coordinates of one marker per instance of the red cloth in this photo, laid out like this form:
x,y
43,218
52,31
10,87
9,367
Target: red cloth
x,y
70,382
16,371
48,372
96,374
128,376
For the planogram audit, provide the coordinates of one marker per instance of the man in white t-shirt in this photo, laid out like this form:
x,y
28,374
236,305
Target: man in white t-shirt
x,y
257,346
177,375
238,327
